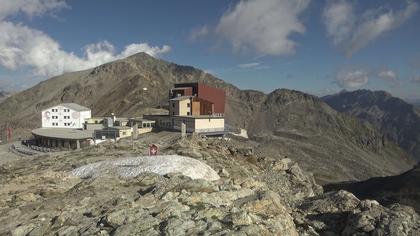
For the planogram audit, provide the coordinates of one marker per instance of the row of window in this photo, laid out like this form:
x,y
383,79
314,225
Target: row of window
x,y
65,117
56,110
56,124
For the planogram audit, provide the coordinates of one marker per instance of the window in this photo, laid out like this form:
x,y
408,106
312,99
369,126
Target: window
x,y
188,113
54,124
66,110
54,110
173,113
66,117
188,104
55,117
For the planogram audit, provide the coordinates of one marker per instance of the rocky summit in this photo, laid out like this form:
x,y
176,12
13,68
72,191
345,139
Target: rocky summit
x,y
255,195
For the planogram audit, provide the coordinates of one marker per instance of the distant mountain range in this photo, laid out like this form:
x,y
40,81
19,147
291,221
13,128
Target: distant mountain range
x,y
334,146
397,119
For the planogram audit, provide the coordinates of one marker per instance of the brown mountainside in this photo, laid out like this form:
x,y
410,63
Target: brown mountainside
x,y
397,119
336,147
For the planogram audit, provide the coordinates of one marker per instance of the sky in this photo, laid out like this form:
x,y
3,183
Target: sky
x,y
319,47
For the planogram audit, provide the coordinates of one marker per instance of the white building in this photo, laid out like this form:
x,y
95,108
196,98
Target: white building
x,y
65,115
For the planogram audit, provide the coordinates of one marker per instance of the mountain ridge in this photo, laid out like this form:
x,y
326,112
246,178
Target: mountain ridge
x,y
295,124
397,119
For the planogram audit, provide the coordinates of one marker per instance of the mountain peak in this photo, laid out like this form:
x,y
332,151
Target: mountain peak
x,y
141,55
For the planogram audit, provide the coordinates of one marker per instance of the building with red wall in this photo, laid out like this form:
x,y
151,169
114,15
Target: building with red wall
x,y
202,91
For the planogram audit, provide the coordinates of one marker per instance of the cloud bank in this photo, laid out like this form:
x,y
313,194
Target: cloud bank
x,y
352,78
30,8
21,46
388,75
351,32
262,26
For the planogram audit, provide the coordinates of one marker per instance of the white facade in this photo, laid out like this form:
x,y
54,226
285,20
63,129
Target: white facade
x,y
67,115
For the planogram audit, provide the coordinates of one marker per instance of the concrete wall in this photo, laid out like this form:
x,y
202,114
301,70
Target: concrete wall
x,y
199,125
124,133
189,122
84,115
63,118
180,107
90,126
209,125
144,130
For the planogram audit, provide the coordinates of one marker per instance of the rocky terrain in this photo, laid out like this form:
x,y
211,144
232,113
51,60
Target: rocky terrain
x,y
403,189
255,195
304,128
4,95
285,122
397,119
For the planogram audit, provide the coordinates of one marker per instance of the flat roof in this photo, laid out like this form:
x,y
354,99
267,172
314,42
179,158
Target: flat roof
x,y
140,120
73,106
179,88
63,133
190,117
119,127
180,98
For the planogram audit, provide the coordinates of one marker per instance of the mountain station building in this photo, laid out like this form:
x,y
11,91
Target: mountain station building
x,y
199,107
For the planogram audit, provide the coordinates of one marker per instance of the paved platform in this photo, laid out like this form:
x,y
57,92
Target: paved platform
x,y
63,133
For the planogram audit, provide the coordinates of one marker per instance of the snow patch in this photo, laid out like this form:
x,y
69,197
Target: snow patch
x,y
134,166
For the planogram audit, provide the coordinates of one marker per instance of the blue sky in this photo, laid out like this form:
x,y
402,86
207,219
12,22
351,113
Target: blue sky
x,y
318,47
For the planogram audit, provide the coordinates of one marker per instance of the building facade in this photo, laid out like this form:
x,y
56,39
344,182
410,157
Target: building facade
x,y
65,115
201,91
208,125
197,106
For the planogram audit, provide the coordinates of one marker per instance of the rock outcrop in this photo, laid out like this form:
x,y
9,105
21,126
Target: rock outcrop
x,y
255,195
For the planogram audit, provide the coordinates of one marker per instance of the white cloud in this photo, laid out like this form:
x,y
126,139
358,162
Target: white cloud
x,y
388,75
351,32
263,26
249,65
21,46
352,78
29,7
253,66
199,32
